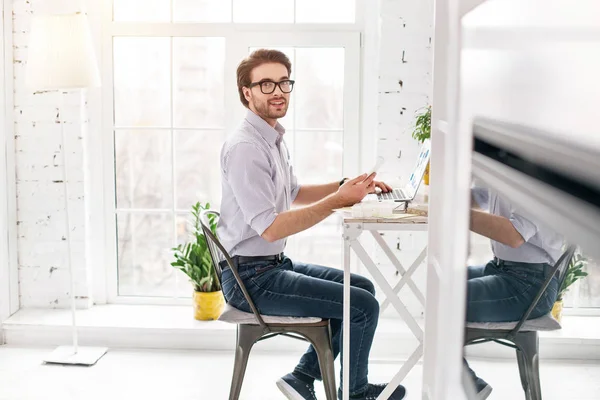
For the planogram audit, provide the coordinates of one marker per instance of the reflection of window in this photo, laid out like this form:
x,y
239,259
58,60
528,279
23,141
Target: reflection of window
x,y
170,112
585,293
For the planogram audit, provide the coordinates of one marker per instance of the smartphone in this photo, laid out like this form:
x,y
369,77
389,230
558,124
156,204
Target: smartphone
x,y
377,165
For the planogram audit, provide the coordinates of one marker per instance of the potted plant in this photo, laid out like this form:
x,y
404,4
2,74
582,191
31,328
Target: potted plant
x,y
574,273
194,260
422,132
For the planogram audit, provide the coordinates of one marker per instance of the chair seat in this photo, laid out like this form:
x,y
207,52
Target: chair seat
x,y
544,323
234,316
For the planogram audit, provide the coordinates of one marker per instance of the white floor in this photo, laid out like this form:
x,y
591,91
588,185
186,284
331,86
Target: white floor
x,y
183,375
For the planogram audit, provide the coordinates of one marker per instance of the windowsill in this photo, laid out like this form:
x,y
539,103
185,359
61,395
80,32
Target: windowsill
x,y
145,326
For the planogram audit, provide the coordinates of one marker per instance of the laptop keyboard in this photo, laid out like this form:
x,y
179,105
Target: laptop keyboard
x,y
396,194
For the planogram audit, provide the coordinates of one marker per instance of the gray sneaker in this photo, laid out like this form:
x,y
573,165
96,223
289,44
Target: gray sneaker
x,y
295,389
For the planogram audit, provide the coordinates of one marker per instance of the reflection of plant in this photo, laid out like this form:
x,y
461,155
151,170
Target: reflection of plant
x,y
422,129
574,273
193,258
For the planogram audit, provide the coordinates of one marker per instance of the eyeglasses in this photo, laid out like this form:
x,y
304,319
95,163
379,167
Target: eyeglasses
x,y
268,87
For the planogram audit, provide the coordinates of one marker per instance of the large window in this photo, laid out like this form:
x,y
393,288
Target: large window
x,y
174,100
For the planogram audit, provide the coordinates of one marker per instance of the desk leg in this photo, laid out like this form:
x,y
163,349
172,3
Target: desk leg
x,y
346,322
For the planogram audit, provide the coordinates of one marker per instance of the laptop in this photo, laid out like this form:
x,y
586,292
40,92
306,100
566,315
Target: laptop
x,y
408,192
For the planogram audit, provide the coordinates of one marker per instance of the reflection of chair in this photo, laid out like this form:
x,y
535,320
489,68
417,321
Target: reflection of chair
x,y
523,335
254,327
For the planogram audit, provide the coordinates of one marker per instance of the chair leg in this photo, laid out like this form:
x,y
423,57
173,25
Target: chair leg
x,y
247,335
523,373
528,344
320,338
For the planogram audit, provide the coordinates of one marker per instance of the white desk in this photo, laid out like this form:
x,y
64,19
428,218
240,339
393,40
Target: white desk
x,y
352,229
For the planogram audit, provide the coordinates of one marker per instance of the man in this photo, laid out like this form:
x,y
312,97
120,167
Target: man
x,y
259,187
524,252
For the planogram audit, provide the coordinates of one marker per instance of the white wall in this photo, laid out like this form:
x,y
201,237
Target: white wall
x,y
4,196
405,87
404,56
43,275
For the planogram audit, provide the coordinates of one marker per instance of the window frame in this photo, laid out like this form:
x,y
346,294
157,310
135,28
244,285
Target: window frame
x,y
236,37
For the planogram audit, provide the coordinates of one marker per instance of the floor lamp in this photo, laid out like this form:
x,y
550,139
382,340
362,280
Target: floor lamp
x,y
61,57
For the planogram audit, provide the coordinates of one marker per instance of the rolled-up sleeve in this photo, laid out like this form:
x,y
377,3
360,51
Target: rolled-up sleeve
x,y
249,174
525,227
481,196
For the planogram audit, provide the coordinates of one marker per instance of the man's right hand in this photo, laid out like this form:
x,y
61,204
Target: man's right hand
x,y
354,190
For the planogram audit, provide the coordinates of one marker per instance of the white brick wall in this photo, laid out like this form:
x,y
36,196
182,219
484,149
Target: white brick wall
x,y
42,249
405,86
404,80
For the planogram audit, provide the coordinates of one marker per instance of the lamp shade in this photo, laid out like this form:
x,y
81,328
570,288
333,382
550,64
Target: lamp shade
x,y
61,53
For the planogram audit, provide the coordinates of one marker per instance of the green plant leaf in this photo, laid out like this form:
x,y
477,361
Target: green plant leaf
x,y
574,273
193,258
422,129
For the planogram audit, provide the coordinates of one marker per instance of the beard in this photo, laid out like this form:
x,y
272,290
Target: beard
x,y
267,111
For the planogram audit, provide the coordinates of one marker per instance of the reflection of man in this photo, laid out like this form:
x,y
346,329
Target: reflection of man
x,y
259,187
524,252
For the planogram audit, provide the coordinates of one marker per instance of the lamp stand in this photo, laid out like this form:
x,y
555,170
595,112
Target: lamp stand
x,y
71,355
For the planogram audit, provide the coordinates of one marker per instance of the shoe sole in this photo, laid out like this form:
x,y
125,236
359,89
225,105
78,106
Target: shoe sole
x,y
484,393
403,397
288,391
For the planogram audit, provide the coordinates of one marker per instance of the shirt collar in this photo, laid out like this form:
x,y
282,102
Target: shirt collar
x,y
272,135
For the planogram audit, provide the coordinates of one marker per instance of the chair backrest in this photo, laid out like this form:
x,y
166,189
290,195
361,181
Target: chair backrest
x,y
561,267
216,249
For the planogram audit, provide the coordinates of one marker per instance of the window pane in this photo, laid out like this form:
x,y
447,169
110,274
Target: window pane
x,y
263,11
144,255
202,10
142,10
318,156
197,170
585,292
589,287
321,244
320,88
142,81
184,231
326,11
143,169
198,92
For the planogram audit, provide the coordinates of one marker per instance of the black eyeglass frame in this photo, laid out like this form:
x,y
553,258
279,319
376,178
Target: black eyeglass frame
x,y
277,84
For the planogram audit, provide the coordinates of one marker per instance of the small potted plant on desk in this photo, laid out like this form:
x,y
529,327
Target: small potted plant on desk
x,y
422,132
194,260
574,273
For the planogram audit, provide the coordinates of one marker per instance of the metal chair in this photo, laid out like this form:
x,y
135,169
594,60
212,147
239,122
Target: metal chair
x,y
523,335
313,330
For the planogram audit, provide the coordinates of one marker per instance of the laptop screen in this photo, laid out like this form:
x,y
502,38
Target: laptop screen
x,y
419,171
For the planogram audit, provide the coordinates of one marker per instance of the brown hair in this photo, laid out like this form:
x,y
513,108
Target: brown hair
x,y
256,59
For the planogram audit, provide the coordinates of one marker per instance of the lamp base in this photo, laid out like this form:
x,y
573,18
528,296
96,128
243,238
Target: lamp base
x,y
84,356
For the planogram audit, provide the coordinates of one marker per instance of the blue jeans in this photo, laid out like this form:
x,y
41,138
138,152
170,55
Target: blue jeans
x,y
289,288
502,291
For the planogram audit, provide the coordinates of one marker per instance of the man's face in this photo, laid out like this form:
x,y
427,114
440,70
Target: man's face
x,y
268,106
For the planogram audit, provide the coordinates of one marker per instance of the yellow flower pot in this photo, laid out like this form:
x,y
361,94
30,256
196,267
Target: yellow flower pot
x,y
557,311
426,176
208,305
